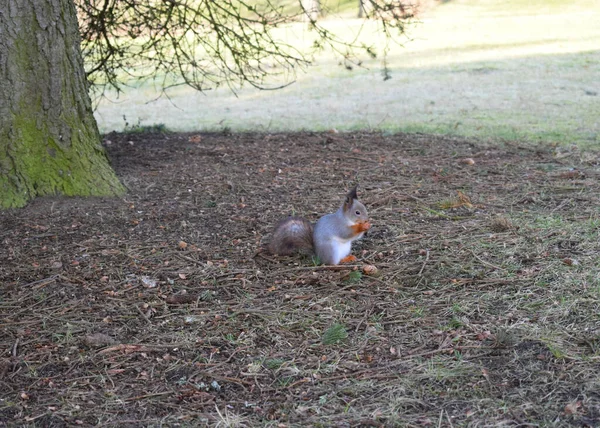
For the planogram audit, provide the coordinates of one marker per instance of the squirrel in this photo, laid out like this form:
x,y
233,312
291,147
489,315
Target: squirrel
x,y
330,238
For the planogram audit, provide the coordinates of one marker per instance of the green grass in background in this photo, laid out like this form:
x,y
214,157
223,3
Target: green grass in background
x,y
517,70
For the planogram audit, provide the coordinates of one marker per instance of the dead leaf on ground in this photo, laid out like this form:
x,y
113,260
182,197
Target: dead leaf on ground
x,y
180,299
571,174
98,339
573,408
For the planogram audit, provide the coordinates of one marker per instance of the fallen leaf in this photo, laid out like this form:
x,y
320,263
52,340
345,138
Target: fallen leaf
x,y
180,299
572,408
110,252
572,174
148,282
464,199
501,224
424,421
98,339
484,335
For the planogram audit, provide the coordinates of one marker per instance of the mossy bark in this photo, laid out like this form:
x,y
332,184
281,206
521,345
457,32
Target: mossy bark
x,y
49,139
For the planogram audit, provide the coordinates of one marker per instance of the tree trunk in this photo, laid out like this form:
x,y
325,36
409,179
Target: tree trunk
x,y
49,139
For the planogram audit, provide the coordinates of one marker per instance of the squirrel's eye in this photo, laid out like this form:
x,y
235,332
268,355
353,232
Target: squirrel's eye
x,y
357,212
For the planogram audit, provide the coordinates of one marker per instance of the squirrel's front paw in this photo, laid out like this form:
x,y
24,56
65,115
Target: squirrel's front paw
x,y
348,259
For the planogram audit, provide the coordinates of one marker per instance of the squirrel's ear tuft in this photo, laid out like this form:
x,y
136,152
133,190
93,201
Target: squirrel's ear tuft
x,y
352,193
351,196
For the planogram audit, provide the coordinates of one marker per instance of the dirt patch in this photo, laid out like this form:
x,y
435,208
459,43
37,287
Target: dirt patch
x,y
159,308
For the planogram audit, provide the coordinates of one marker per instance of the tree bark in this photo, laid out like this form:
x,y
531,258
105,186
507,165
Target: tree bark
x,y
49,139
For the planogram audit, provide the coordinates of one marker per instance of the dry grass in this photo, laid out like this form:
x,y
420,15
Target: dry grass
x,y
484,312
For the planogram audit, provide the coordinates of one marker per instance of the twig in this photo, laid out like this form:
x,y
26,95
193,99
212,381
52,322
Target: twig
x,y
30,307
424,263
448,418
559,206
15,347
127,348
240,382
362,159
317,268
486,263
299,382
143,314
441,351
41,282
141,397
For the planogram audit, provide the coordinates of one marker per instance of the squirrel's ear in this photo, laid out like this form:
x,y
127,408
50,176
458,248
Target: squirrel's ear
x,y
351,196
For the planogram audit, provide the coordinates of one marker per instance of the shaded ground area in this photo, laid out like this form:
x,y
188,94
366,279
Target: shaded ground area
x,y
160,309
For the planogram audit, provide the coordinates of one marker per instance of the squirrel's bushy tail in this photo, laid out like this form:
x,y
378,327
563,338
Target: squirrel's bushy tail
x,y
293,234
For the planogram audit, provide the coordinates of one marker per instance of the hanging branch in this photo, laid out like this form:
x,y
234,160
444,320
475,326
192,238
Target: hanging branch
x,y
206,43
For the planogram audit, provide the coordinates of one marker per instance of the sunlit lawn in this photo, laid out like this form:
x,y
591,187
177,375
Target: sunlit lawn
x,y
490,69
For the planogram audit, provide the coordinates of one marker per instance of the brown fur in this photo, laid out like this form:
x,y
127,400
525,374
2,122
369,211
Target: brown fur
x,y
291,235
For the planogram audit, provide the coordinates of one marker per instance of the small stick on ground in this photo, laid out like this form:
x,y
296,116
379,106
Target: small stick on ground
x,y
424,263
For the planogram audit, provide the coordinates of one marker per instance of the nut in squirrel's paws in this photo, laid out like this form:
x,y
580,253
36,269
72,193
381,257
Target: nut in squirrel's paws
x,y
361,227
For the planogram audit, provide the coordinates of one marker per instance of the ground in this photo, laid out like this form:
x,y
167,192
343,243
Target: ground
x,y
160,308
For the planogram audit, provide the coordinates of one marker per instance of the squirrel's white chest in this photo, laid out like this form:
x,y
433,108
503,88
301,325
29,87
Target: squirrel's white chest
x,y
341,248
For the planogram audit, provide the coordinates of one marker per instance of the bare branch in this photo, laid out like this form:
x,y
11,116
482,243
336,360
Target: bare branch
x,y
205,43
